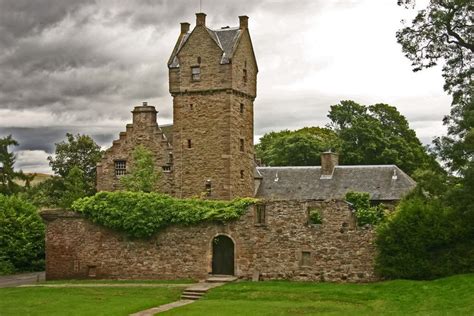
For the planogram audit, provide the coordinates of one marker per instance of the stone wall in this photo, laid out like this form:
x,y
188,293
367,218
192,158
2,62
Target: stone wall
x,y
335,251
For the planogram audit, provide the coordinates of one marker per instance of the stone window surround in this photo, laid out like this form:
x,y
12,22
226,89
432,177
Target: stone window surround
x,y
260,214
120,167
196,73
305,258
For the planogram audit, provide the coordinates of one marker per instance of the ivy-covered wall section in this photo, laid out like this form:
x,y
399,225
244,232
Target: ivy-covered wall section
x,y
142,214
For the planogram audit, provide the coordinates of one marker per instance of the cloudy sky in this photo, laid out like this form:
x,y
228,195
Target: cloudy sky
x,y
81,65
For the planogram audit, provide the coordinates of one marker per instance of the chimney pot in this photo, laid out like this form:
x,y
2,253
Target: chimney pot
x,y
184,27
201,19
145,103
244,21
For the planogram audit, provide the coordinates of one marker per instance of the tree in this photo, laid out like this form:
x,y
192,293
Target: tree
x,y
7,173
442,32
378,134
74,187
143,176
79,151
302,147
21,236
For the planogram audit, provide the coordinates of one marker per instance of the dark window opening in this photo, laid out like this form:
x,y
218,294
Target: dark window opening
x,y
199,59
208,187
190,144
241,144
305,258
241,174
166,168
241,108
191,106
170,157
260,214
245,75
196,73
120,167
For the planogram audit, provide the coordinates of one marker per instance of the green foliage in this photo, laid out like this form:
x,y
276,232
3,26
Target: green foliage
x,y
21,236
302,147
74,187
315,216
77,151
364,213
8,174
143,176
142,214
423,239
378,134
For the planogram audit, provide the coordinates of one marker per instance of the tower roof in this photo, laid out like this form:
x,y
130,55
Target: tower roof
x,y
226,38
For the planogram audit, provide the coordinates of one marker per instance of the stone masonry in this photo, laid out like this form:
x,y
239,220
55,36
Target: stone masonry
x,y
143,131
213,114
285,246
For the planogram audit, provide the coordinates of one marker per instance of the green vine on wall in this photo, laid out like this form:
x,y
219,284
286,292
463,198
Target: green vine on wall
x,y
364,212
142,214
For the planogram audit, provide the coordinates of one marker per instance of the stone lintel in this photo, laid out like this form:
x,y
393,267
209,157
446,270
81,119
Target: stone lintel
x,y
50,214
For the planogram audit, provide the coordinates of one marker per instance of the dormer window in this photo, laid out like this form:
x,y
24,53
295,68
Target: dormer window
x,y
196,73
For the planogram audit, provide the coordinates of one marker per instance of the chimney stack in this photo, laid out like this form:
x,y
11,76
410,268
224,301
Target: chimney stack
x,y
184,27
144,116
329,161
244,22
201,19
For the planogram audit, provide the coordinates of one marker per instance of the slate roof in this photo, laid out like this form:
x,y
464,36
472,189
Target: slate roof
x,y
383,182
226,38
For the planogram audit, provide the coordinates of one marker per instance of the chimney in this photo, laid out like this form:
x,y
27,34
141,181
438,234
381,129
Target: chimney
x,y
244,22
184,27
144,116
329,161
201,19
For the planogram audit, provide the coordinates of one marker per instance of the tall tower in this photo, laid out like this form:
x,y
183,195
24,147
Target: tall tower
x,y
212,78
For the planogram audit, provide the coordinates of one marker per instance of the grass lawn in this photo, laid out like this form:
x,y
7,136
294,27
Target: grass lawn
x,y
83,301
89,281
449,296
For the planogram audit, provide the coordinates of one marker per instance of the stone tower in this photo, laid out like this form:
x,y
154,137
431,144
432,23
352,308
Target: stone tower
x,y
212,78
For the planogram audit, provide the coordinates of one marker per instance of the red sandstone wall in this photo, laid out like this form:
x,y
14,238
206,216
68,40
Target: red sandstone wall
x,y
339,252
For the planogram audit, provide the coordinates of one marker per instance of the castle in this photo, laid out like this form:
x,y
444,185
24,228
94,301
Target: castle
x,y
209,149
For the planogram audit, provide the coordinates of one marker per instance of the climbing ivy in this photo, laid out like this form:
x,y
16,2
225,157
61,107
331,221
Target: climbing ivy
x,y
142,214
364,213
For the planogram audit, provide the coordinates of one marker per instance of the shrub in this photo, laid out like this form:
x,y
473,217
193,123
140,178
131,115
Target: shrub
x,y
422,239
21,236
141,214
364,213
315,216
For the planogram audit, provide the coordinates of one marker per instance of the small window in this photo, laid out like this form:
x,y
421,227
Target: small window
x,y
241,108
241,174
191,107
305,258
196,73
190,144
170,157
260,214
166,168
208,187
242,145
199,59
245,75
120,167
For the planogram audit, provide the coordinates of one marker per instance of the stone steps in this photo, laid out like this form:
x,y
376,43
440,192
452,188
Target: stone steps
x,y
196,291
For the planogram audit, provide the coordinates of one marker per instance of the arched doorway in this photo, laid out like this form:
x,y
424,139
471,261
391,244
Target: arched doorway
x,y
222,255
